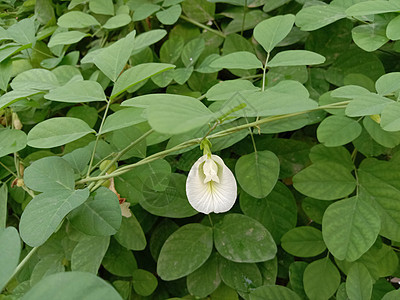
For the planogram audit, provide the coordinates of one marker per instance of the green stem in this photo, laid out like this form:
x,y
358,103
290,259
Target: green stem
x,y
97,138
8,169
203,26
211,222
196,141
119,155
265,72
201,97
30,192
253,141
21,264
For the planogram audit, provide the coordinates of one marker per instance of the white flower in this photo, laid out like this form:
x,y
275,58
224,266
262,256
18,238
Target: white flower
x,y
211,186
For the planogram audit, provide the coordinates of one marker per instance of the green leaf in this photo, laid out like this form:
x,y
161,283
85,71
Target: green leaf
x,y
273,30
123,137
277,212
303,241
13,140
192,51
392,29
359,283
159,235
144,283
100,215
48,265
49,174
147,38
242,277
269,270
340,155
350,91
272,292
123,118
370,37
200,10
257,173
390,118
296,272
11,49
274,4
388,83
170,15
171,202
112,60
85,113
77,92
102,7
317,16
350,227
393,295
227,89
237,60
45,212
325,181
171,49
44,12
117,21
155,175
205,279
56,132
295,58
144,11
77,19
10,249
366,145
181,75
354,61
130,234
379,187
341,292
286,97
177,114
72,285
242,239
321,273
337,130
366,105
136,75
79,159
66,38
5,73
119,260
88,254
185,251
314,208
23,32
35,79
372,7
381,136
11,97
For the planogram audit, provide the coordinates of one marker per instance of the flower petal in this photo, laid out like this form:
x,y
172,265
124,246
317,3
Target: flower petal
x,y
211,196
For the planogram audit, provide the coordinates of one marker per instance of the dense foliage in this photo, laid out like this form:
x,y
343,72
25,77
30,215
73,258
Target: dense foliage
x,y
106,105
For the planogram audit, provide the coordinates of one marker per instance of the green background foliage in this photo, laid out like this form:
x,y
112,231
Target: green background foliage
x,y
104,103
